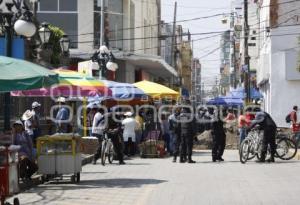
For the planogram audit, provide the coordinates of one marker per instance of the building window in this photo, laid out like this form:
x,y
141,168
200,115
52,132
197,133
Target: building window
x,y
48,5
68,5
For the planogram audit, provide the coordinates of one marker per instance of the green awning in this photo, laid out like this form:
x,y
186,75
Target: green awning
x,y
16,74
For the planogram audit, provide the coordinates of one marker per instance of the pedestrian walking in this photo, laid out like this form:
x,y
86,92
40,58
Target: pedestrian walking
x,y
295,125
98,131
218,137
130,125
175,132
187,126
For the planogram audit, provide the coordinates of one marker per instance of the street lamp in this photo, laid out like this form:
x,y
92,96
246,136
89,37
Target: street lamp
x,y
44,33
105,60
19,22
64,44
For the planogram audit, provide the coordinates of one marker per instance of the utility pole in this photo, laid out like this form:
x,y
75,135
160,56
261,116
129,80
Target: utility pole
x,y
246,54
102,23
8,41
173,53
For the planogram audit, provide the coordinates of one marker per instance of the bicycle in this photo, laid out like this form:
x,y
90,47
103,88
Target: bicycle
x,y
107,150
286,148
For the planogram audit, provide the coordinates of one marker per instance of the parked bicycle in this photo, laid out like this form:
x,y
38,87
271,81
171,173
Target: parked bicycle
x,y
107,150
251,147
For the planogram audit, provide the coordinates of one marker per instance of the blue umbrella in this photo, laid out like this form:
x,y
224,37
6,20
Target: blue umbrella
x,y
226,101
240,93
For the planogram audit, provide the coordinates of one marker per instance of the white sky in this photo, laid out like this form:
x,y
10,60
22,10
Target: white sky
x,y
187,9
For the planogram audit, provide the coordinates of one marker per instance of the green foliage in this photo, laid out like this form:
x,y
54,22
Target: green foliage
x,y
56,35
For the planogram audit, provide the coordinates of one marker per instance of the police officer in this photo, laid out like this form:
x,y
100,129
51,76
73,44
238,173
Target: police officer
x,y
187,126
218,136
175,132
265,121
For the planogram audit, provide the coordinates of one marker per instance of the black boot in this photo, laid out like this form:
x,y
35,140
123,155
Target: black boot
x,y
191,161
174,158
182,160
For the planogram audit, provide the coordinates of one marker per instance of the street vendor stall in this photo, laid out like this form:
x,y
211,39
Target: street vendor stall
x,y
59,155
9,172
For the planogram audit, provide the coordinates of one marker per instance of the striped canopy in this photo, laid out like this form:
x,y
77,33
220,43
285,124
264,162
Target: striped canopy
x,y
71,84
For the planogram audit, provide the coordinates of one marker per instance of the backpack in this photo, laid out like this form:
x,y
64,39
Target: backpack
x,y
288,118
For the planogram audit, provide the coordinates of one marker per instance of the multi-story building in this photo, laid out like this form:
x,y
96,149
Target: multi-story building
x,y
225,45
278,73
131,31
196,80
184,56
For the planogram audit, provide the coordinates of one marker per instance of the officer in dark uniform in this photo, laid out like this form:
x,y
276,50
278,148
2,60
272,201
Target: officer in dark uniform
x,y
114,132
175,131
187,126
218,137
267,124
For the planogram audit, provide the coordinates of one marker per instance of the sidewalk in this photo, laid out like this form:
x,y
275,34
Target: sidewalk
x,y
36,179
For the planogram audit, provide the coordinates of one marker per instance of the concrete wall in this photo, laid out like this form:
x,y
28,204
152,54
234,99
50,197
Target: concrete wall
x,y
86,24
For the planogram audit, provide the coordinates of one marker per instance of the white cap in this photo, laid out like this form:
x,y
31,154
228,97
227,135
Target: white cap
x,y
61,99
18,122
35,105
128,114
27,115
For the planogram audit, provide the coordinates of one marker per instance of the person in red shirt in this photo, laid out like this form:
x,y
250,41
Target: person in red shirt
x,y
243,122
295,125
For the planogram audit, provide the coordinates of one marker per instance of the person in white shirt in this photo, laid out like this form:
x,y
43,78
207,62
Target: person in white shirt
x,y
27,118
98,131
130,125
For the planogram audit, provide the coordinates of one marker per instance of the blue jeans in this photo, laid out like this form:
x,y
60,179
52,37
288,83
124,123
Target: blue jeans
x,y
297,138
243,134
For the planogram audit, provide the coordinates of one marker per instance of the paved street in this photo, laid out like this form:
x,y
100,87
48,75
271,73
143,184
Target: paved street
x,y
159,181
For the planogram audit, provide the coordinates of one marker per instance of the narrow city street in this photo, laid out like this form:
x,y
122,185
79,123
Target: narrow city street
x,y
159,181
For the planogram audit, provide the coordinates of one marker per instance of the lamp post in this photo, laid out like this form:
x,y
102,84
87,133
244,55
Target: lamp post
x,y
65,47
21,23
44,51
105,60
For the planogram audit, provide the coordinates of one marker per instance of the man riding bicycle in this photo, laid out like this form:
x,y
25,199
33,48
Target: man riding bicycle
x,y
267,124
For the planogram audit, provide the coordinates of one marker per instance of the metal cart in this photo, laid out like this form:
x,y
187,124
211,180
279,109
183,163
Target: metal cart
x,y
9,173
58,156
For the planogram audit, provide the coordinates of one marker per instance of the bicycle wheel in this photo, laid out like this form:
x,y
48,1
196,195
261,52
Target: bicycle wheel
x,y
286,149
103,152
110,153
244,151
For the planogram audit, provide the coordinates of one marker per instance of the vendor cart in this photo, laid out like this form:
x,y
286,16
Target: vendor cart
x,y
9,173
59,156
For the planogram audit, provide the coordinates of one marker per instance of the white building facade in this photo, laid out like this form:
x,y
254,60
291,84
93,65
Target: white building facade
x,y
278,73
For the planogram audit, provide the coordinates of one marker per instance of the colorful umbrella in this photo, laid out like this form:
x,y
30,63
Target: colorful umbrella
x,y
156,90
19,74
124,91
72,84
